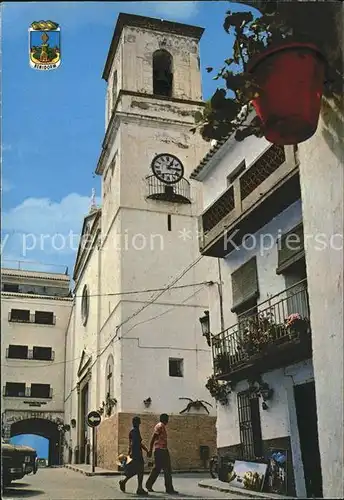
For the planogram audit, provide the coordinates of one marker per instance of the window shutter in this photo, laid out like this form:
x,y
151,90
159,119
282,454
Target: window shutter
x,y
290,248
245,284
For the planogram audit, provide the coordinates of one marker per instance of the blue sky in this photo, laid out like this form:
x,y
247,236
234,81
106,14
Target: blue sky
x,y
39,443
53,122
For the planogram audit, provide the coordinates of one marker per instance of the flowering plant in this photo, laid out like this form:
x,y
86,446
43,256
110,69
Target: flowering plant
x,y
296,325
292,318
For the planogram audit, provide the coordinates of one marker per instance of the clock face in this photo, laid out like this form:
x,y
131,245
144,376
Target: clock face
x,y
167,168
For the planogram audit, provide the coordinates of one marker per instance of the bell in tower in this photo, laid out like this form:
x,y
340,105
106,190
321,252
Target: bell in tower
x,y
162,73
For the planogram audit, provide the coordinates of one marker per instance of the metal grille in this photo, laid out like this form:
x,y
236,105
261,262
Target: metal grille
x,y
176,193
261,169
254,332
218,210
249,425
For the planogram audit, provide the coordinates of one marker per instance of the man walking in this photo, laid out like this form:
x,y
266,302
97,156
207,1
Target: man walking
x,y
136,466
162,460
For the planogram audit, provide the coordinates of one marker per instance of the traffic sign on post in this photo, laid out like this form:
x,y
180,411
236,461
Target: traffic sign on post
x,y
93,419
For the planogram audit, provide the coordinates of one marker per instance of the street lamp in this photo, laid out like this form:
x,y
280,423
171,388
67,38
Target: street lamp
x,y
205,325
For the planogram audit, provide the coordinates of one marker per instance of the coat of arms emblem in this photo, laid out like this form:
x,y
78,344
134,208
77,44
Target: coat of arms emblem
x,y
44,45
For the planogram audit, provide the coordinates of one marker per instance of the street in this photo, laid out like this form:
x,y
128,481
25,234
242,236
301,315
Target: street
x,y
61,483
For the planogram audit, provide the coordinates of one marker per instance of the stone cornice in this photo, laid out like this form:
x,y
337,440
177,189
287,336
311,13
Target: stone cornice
x,y
147,23
113,123
33,296
63,280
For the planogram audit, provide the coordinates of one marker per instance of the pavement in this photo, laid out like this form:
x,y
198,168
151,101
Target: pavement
x,y
65,484
215,484
98,471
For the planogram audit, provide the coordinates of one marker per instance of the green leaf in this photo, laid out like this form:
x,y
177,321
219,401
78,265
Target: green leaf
x,y
234,81
218,99
198,117
229,61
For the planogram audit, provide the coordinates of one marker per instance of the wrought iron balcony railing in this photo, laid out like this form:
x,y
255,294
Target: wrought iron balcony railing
x,y
280,321
175,193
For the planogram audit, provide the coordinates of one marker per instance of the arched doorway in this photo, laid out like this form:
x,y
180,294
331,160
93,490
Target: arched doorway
x,y
45,428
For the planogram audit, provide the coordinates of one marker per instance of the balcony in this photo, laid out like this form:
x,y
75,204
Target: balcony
x,y
255,197
263,339
175,193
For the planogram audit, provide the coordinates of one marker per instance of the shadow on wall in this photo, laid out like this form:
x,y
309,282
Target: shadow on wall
x,y
332,115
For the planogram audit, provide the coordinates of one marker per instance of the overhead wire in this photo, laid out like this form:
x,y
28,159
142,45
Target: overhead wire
x,y
136,324
169,287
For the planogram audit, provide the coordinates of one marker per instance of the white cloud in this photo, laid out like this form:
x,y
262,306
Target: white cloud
x,y
6,147
177,10
39,228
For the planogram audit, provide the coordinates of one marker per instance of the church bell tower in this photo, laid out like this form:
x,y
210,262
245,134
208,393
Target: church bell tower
x,y
149,222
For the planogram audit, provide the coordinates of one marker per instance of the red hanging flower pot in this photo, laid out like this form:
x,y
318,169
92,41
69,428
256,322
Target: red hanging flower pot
x,y
291,79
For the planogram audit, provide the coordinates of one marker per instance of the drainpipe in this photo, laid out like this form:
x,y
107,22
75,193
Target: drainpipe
x,y
220,289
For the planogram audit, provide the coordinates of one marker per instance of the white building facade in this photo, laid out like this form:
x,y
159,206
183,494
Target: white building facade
x,y
140,289
258,225
35,312
320,161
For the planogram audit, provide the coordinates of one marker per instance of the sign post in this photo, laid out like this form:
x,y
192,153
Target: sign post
x,y
93,420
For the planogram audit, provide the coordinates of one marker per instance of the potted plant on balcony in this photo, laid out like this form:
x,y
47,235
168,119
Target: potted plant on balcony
x,y
272,71
260,331
296,325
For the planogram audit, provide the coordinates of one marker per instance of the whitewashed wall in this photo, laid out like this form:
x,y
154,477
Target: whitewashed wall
x,y
321,173
32,334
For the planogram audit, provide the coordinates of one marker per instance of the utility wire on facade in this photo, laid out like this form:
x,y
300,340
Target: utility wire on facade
x,y
94,352
131,292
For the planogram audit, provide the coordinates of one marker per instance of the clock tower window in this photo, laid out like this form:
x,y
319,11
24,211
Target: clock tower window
x,y
114,89
162,73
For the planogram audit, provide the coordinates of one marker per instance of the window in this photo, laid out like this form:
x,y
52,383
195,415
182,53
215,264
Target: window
x,y
175,367
84,305
236,172
109,376
44,318
295,277
15,389
162,73
290,248
169,222
114,90
250,427
10,287
17,351
249,308
245,285
40,391
43,353
20,315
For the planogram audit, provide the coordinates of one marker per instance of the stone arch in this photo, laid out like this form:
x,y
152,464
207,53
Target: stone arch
x,y
42,427
162,73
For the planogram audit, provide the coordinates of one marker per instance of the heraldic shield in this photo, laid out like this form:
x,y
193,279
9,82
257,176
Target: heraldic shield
x,y
44,45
